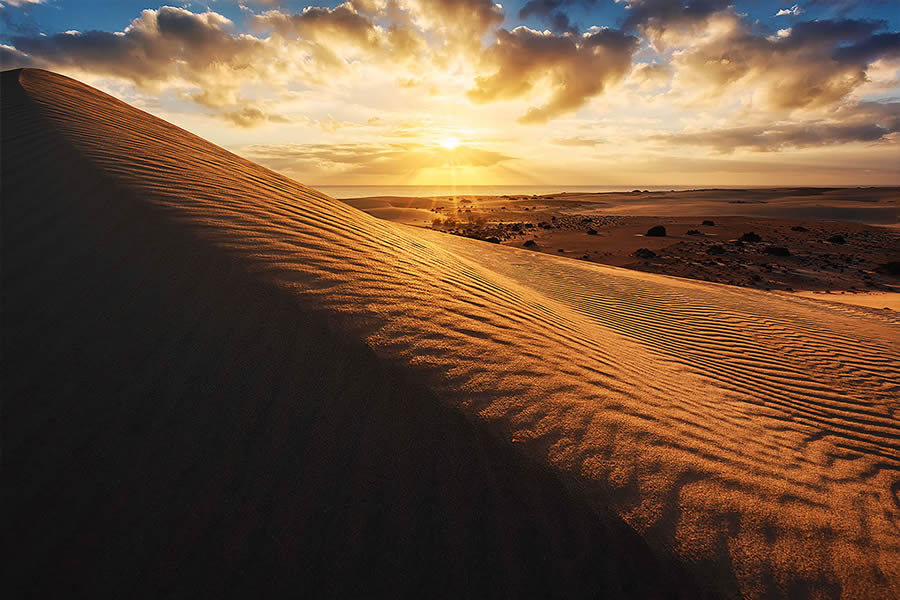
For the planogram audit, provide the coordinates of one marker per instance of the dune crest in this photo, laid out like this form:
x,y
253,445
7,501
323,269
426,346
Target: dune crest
x,y
752,437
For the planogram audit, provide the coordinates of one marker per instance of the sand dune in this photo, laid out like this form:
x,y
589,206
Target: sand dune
x,y
220,380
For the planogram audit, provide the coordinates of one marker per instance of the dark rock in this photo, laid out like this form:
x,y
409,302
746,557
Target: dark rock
x,y
644,253
694,232
837,239
715,250
530,244
799,228
656,231
592,231
777,251
708,223
560,250
750,237
493,240
889,268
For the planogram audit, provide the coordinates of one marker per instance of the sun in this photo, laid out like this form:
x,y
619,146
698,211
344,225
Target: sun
x,y
450,142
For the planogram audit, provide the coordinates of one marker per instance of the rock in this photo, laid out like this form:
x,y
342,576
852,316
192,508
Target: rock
x,y
750,236
530,244
777,251
592,231
837,239
656,231
715,250
493,240
708,223
889,268
644,253
799,228
694,232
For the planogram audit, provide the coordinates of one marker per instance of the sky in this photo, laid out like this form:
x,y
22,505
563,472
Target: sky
x,y
470,92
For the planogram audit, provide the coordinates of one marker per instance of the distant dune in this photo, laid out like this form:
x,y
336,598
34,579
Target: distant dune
x,y
220,382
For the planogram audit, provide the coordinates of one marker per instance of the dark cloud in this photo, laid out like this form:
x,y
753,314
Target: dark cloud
x,y
867,122
156,47
882,45
663,14
572,68
815,64
844,7
552,12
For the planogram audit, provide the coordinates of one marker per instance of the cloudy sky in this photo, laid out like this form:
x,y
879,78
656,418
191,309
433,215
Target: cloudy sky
x,y
599,92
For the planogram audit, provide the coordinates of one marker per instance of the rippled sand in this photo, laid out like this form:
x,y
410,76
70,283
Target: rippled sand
x,y
199,345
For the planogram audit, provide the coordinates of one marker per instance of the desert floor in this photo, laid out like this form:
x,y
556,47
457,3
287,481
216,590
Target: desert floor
x,y
842,243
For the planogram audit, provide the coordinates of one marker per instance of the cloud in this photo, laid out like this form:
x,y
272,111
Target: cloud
x,y
251,116
813,65
18,3
844,7
656,18
457,19
157,47
572,69
795,10
868,122
369,159
649,76
577,142
334,35
552,12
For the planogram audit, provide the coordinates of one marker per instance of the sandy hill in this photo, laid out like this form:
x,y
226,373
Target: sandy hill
x,y
218,381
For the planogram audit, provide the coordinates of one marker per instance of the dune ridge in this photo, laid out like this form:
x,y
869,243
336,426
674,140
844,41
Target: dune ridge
x,y
751,436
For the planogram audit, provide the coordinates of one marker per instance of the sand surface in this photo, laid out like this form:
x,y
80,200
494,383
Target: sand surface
x,y
218,380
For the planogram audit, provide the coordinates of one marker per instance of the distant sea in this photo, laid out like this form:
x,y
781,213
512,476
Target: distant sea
x,y
367,191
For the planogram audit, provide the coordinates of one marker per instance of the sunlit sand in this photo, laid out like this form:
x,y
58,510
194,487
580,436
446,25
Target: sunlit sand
x,y
218,380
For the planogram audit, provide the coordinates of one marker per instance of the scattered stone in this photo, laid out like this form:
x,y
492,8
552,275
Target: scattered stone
x,y
656,231
750,236
837,239
644,253
717,249
694,232
777,251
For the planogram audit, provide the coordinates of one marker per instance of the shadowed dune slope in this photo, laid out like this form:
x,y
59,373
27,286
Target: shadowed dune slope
x,y
221,380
